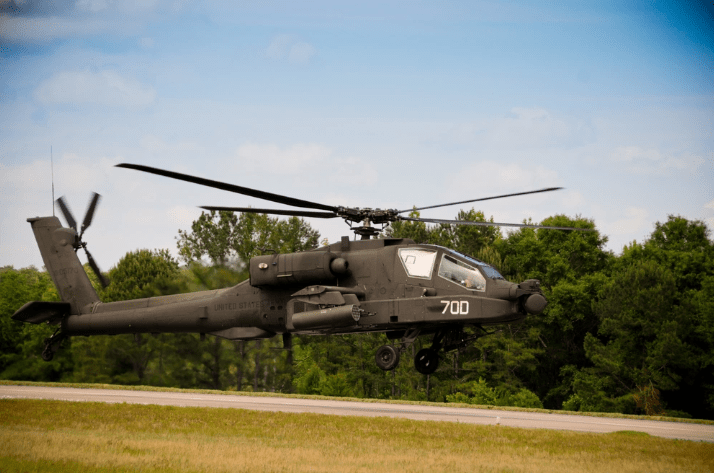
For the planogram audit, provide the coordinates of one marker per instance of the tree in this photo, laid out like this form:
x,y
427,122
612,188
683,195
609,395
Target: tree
x,y
21,344
124,358
225,237
641,333
230,239
465,239
571,266
655,331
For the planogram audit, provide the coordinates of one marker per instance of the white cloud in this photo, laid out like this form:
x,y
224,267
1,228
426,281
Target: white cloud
x,y
278,47
183,215
310,162
146,42
709,205
632,153
500,178
654,161
294,159
289,47
137,210
158,146
301,53
635,222
106,88
523,128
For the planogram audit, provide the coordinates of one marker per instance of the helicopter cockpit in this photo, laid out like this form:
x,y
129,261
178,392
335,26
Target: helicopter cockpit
x,y
454,267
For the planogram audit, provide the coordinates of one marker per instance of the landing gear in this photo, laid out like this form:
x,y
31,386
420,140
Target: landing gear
x,y
387,357
52,344
47,354
426,360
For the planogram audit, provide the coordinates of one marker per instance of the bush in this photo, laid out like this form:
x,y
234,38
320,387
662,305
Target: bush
x,y
478,392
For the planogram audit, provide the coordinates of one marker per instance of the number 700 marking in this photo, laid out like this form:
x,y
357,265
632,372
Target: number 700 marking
x,y
456,307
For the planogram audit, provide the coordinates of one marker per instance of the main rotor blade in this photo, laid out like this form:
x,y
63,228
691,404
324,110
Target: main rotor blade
x,y
294,213
93,264
90,212
281,199
492,224
67,213
549,189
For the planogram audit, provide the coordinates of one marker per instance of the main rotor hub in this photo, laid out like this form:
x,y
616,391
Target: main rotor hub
x,y
378,216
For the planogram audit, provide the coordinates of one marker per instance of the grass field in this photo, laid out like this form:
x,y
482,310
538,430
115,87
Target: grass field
x,y
67,436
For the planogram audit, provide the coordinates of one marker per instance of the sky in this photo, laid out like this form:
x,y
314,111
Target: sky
x,y
381,104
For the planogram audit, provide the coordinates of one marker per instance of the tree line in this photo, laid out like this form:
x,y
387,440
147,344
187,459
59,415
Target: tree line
x,y
630,333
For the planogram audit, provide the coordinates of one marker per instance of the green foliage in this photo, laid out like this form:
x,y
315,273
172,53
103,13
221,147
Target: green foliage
x,y
475,392
641,328
229,238
21,344
141,273
466,239
655,323
478,392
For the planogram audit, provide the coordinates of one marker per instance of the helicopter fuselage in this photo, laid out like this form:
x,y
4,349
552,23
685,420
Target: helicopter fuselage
x,y
380,285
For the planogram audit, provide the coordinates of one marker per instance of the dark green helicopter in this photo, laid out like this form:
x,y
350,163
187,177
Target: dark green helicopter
x,y
395,286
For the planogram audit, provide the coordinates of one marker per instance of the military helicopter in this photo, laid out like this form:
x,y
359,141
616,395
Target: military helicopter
x,y
394,286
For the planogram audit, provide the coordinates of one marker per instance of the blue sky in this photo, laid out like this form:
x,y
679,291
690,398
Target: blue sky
x,y
369,104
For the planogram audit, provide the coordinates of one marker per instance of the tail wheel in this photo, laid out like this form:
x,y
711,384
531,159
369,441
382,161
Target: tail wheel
x,y
387,357
426,361
47,354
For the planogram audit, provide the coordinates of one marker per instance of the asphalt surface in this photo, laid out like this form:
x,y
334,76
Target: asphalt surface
x,y
528,420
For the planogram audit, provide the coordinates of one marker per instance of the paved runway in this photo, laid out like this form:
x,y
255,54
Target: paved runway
x,y
675,430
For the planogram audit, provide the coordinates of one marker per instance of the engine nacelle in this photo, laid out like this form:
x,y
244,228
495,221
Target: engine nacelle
x,y
312,267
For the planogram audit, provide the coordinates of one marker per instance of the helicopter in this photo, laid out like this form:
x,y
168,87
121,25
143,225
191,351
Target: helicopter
x,y
394,286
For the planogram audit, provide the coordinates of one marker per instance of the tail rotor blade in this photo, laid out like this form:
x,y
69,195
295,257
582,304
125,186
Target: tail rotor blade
x,y
95,268
67,213
90,212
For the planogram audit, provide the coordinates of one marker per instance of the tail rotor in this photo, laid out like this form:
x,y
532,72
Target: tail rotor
x,y
78,242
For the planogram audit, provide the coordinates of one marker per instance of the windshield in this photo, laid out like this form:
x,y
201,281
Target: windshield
x,y
418,262
490,271
461,273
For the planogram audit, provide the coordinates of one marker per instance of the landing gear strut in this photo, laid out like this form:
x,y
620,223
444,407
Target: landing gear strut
x,y
52,344
426,360
387,356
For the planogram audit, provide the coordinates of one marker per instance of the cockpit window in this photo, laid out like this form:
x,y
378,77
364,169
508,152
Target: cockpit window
x,y
461,273
490,271
418,262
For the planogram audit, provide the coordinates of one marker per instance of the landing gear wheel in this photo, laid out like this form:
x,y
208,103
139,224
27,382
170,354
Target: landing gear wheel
x,y
387,357
426,361
47,354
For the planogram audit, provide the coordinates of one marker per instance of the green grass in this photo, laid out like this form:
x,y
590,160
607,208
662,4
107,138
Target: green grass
x,y
389,401
60,436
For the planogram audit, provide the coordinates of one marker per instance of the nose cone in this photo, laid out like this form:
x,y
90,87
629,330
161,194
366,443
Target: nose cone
x,y
535,304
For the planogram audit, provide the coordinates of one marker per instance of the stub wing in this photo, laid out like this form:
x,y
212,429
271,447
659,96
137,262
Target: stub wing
x,y
38,312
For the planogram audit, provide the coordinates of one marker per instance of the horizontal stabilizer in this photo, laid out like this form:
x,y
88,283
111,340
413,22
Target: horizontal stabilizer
x,y
37,312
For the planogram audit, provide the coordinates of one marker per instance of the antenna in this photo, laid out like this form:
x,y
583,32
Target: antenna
x,y
52,167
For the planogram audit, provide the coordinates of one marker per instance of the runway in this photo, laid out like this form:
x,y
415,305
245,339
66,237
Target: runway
x,y
529,420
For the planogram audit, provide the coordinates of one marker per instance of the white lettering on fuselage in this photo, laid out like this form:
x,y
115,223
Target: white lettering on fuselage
x,y
456,307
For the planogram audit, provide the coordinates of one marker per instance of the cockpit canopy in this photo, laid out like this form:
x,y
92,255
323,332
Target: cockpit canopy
x,y
455,267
